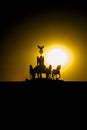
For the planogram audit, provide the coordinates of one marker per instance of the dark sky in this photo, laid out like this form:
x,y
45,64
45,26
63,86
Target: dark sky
x,y
25,24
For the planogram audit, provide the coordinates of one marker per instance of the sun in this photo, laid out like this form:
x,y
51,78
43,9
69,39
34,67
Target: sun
x,y
57,56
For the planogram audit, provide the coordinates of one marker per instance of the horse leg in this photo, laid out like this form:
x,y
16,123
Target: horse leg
x,y
49,74
33,75
59,75
56,76
46,75
53,76
40,75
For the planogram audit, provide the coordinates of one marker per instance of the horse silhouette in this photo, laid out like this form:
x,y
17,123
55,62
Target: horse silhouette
x,y
39,70
32,73
48,71
56,72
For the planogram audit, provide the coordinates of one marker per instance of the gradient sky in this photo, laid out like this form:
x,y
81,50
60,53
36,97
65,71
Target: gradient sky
x,y
26,25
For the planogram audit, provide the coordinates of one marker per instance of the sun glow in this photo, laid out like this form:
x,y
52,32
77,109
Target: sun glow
x,y
57,56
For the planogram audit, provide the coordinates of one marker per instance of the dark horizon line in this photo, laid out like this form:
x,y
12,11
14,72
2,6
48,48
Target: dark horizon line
x,y
45,79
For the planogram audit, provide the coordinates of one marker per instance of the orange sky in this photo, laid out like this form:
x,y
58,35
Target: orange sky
x,y
48,27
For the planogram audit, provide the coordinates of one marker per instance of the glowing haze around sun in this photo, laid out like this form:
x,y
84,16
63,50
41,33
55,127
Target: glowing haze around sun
x,y
57,56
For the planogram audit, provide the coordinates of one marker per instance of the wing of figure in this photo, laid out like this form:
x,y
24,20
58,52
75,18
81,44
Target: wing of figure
x,y
42,47
39,47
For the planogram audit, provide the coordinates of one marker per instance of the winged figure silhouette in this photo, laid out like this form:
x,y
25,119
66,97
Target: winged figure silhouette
x,y
40,47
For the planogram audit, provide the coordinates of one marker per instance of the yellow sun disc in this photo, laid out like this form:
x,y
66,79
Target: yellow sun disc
x,y
57,56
